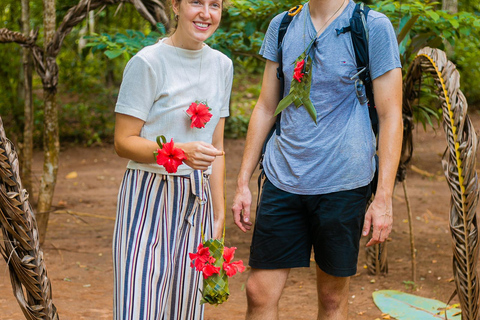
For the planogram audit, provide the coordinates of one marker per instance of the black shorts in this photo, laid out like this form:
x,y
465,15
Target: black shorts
x,y
288,225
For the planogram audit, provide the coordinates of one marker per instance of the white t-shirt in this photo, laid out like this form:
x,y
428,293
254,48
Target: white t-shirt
x,y
159,84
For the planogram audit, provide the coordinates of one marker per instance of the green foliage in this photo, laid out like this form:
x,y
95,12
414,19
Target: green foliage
x,y
410,285
247,89
424,25
88,80
419,24
466,58
88,124
11,102
243,28
123,44
87,83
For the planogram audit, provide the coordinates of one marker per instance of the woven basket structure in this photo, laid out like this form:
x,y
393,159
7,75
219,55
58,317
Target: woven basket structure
x,y
215,288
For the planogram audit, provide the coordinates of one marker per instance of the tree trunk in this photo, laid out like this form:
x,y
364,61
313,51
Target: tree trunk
x,y
51,144
451,6
27,150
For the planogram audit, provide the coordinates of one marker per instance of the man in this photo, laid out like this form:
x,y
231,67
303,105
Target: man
x,y
318,174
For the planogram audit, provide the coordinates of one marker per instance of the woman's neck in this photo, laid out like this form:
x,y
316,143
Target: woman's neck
x,y
177,40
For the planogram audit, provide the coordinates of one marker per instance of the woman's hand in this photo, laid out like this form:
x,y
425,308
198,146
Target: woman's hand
x,y
200,155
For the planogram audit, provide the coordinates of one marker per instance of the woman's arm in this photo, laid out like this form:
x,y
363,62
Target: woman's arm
x,y
129,144
217,182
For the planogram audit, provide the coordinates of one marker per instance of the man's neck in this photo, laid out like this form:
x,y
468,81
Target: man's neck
x,y
322,10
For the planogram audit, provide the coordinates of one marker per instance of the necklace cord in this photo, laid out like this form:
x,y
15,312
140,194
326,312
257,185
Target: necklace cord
x,y
323,26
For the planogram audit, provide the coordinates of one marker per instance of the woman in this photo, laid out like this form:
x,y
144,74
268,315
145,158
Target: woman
x,y
178,88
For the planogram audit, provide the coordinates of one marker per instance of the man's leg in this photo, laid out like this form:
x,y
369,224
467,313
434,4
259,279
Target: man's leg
x,y
264,289
332,296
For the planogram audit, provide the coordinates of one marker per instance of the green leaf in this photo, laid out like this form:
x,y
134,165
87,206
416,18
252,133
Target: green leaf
x,y
161,140
161,28
433,15
112,54
404,306
454,23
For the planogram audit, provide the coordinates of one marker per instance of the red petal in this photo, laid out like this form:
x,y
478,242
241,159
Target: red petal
x,y
179,154
228,253
170,166
210,270
239,265
229,269
192,109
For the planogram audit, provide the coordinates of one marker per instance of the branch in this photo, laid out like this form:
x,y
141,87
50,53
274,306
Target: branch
x,y
7,36
152,10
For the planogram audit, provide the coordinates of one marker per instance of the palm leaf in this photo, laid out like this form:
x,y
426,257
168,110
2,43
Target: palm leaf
x,y
21,246
459,167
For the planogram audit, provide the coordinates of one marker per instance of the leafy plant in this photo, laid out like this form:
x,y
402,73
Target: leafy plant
x,y
123,44
410,285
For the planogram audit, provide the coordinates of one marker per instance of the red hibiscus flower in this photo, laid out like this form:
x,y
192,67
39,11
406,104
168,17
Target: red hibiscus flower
x,y
231,268
199,114
170,157
201,258
298,74
209,270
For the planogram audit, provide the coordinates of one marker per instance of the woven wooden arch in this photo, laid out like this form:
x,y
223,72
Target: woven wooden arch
x,y
459,167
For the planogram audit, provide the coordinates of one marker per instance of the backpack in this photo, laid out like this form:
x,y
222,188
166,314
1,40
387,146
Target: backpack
x,y
359,32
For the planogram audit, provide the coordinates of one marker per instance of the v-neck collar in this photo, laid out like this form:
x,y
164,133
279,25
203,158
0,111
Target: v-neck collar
x,y
312,31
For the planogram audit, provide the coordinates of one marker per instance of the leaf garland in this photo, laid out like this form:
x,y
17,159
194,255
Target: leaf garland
x,y
300,86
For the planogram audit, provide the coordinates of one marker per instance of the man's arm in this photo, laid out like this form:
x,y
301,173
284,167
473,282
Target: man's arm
x,y
261,122
388,100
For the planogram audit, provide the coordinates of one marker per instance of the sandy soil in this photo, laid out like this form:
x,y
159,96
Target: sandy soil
x,y
78,245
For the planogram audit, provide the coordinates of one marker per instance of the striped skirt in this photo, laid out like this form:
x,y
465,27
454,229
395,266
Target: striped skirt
x,y
159,221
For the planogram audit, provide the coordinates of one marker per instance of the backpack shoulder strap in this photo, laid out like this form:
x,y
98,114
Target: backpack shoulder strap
x,y
282,30
287,18
360,36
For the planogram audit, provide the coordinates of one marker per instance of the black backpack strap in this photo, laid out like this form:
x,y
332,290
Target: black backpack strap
x,y
360,36
287,18
359,32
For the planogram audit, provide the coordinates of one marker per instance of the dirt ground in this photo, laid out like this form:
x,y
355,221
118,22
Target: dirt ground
x,y
78,246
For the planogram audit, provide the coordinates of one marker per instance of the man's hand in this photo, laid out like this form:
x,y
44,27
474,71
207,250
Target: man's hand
x,y
241,208
379,215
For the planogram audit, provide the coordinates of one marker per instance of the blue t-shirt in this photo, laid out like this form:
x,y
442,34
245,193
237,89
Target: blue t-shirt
x,y
338,152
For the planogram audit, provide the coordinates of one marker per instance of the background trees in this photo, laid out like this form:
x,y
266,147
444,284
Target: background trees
x,y
97,48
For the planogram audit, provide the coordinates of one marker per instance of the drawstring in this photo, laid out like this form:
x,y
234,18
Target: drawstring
x,y
198,187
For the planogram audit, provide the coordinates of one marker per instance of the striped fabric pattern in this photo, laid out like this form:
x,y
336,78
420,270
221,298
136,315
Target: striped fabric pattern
x,y
159,221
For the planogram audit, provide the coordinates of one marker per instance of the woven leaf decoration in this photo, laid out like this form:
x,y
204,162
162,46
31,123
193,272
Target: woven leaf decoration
x,y
459,167
299,93
20,246
215,288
